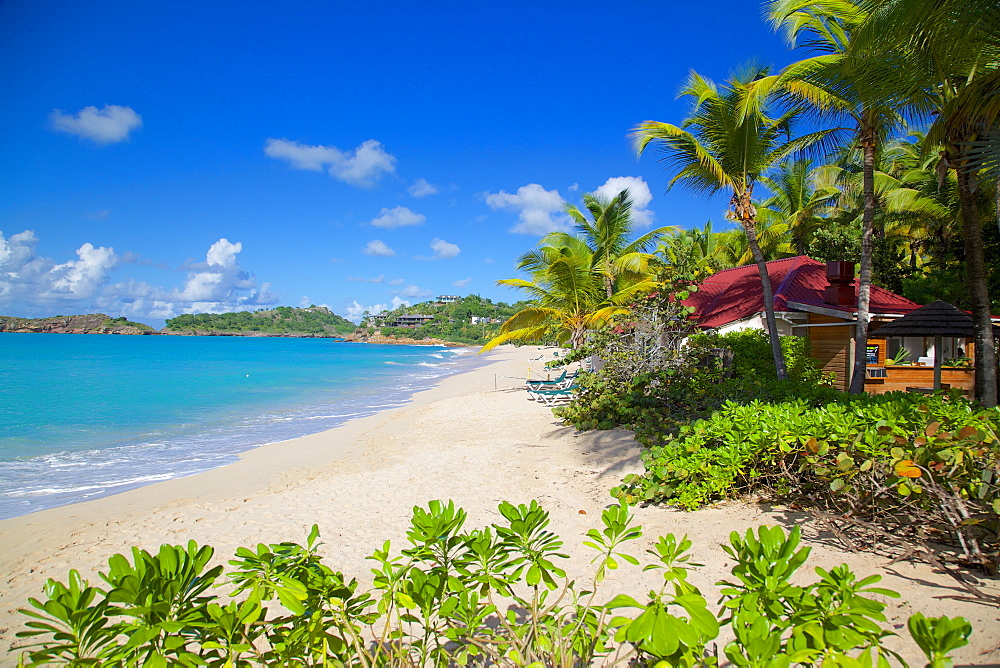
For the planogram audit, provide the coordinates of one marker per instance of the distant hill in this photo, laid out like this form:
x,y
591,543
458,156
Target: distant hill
x,y
281,321
93,323
469,320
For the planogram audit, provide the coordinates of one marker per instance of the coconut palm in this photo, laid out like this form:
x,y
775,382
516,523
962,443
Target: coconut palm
x,y
774,239
945,55
727,144
570,297
606,232
834,85
801,198
695,253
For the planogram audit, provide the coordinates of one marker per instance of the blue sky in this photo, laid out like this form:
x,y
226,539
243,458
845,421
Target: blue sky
x,y
159,158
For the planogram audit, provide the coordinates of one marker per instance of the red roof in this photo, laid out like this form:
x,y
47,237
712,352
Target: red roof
x,y
735,294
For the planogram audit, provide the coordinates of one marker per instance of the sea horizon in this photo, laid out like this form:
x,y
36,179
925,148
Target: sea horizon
x,y
86,416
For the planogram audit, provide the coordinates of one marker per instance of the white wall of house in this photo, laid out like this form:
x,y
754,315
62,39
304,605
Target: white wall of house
x,y
758,322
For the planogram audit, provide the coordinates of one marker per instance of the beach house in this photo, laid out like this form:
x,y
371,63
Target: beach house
x,y
818,300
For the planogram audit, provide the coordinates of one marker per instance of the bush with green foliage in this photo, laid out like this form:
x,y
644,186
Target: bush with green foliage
x,y
752,356
493,596
878,458
887,458
122,321
280,320
696,383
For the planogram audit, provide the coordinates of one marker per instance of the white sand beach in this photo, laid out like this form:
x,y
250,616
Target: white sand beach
x,y
474,439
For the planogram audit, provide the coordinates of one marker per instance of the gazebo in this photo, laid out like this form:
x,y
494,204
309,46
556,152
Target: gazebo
x,y
937,319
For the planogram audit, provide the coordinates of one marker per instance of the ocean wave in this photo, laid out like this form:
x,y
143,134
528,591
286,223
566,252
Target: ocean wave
x,y
193,444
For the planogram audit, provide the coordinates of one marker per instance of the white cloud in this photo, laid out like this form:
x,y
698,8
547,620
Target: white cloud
x,y
355,310
399,216
414,292
378,249
423,188
361,279
108,125
220,284
40,286
223,253
361,167
639,192
28,281
396,281
444,250
79,279
539,210
463,282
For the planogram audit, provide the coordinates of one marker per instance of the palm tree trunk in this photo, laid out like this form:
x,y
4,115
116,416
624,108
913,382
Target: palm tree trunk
x,y
975,271
865,275
746,212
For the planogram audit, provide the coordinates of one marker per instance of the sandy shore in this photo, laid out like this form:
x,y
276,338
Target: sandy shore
x,y
473,439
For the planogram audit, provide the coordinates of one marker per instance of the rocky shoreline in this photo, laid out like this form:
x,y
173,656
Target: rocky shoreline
x,y
99,323
93,323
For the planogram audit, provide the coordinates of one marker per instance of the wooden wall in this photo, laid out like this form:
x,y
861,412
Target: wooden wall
x,y
901,377
831,347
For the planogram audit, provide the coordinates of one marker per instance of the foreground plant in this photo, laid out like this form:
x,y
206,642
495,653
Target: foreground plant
x,y
492,596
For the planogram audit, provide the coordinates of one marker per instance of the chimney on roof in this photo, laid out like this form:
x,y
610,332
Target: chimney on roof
x,y
840,291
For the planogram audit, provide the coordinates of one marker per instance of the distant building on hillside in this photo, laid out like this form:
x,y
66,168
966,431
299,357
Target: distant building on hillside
x,y
410,320
375,319
448,299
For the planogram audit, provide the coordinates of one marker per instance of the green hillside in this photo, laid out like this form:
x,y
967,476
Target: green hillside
x,y
449,322
282,320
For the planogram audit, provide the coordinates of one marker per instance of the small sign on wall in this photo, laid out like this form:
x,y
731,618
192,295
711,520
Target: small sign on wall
x,y
871,353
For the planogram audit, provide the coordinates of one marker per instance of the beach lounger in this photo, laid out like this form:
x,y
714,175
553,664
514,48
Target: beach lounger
x,y
546,384
553,397
563,381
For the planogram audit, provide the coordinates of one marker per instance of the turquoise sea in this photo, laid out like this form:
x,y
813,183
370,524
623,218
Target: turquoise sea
x,y
83,416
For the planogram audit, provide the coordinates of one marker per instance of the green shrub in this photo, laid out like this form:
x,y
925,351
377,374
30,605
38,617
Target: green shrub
x,y
659,402
752,357
886,457
493,596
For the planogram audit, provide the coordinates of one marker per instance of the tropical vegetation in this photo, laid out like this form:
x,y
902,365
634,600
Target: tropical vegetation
x,y
882,147
471,319
727,143
499,595
579,282
317,320
873,148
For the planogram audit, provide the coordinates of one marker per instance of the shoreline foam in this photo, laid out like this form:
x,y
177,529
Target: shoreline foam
x,y
138,454
471,438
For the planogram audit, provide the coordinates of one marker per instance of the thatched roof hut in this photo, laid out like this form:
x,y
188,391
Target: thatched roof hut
x,y
937,319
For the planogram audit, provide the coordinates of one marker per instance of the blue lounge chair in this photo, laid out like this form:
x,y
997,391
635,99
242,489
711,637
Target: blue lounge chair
x,y
559,383
553,397
546,384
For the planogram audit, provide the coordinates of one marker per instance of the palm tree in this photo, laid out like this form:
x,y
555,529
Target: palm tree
x,y
606,233
694,254
946,56
835,85
570,297
774,239
801,197
726,144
